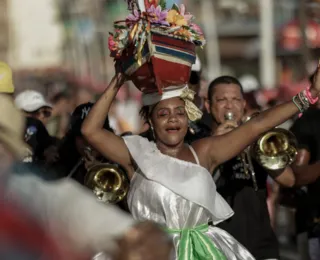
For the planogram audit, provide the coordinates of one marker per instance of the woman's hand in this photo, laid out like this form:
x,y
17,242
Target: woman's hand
x,y
145,241
89,160
120,79
119,76
225,127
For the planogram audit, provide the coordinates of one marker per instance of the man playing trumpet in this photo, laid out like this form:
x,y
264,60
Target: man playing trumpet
x,y
243,183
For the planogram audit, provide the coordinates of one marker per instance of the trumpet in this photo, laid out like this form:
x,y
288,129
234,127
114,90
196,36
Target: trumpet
x,y
274,150
108,181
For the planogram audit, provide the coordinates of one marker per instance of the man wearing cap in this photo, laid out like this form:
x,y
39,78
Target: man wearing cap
x,y
37,111
40,218
75,154
34,105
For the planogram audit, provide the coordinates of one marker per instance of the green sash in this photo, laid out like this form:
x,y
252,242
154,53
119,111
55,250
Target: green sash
x,y
195,245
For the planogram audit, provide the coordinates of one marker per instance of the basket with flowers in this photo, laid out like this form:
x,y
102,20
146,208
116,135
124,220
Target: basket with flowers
x,y
155,44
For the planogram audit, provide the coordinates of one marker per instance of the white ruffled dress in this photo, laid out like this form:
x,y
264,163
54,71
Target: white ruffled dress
x,y
180,196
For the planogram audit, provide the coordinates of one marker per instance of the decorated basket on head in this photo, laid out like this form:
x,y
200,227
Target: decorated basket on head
x,y
155,45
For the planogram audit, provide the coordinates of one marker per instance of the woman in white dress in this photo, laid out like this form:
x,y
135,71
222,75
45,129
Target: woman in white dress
x,y
170,180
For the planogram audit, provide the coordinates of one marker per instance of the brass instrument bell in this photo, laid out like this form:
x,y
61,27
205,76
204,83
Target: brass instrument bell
x,y
108,182
275,149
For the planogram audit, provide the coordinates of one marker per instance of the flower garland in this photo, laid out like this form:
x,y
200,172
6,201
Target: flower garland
x,y
174,22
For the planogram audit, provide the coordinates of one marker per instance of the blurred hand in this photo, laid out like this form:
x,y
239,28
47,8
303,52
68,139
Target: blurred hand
x,y
89,159
315,88
145,241
51,154
225,127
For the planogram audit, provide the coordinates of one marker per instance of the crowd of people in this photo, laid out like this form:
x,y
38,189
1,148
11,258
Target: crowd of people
x,y
196,187
228,219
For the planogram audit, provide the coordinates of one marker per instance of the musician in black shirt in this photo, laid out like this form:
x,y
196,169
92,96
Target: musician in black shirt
x,y
306,130
76,156
250,224
74,152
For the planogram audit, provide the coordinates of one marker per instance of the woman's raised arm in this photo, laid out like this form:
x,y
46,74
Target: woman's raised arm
x,y
218,149
107,143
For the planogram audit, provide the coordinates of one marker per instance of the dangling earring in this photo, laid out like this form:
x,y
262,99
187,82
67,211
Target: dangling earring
x,y
152,130
192,131
154,136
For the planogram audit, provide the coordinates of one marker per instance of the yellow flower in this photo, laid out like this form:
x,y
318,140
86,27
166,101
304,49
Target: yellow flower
x,y
183,32
175,18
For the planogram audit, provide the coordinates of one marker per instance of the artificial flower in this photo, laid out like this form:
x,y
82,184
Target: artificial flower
x,y
187,16
122,34
157,16
183,32
175,23
176,18
149,3
134,17
112,44
196,28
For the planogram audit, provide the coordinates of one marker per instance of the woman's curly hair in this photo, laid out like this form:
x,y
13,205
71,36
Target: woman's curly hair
x,y
145,113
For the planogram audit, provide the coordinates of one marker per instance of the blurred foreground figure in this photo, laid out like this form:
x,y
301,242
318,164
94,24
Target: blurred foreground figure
x,y
21,235
60,220
6,86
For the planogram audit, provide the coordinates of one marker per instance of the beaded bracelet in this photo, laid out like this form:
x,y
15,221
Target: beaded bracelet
x,y
301,101
304,100
309,96
298,103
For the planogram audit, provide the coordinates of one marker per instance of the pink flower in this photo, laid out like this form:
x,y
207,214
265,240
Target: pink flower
x,y
149,3
112,44
134,17
157,15
196,28
187,16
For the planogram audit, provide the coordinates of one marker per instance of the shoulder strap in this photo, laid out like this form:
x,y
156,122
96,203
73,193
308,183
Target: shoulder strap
x,y
194,154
